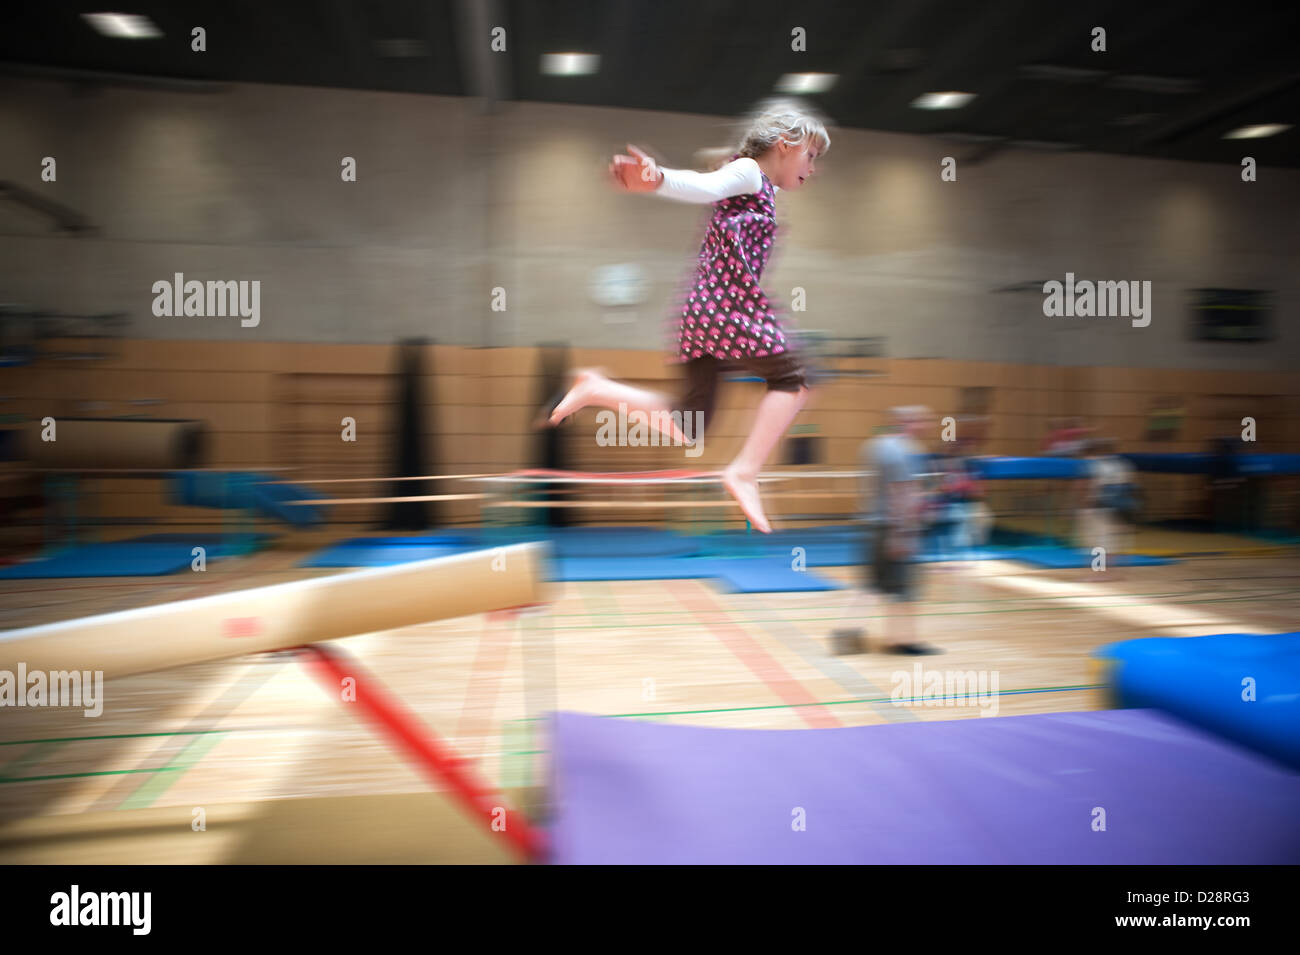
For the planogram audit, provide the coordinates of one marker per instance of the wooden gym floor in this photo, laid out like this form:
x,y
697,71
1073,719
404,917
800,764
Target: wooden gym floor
x,y
262,746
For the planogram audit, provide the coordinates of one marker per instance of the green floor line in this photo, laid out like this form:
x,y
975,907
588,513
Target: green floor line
x,y
148,791
516,740
787,706
39,752
100,772
78,739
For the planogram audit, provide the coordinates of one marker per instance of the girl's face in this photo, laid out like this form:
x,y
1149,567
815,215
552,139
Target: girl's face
x,y
797,163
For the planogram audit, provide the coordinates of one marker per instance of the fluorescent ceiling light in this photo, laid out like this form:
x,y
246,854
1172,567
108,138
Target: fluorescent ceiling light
x,y
948,100
123,26
806,82
1257,132
570,64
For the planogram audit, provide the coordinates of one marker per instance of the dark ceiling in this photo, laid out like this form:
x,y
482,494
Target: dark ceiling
x,y
1175,77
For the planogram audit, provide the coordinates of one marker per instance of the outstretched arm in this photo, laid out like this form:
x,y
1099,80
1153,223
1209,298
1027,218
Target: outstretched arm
x,y
738,178
639,173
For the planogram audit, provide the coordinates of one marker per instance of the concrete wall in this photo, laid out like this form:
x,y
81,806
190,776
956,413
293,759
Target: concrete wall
x,y
244,184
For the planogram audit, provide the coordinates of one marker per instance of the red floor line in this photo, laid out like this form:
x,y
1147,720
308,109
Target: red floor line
x,y
494,644
439,762
762,664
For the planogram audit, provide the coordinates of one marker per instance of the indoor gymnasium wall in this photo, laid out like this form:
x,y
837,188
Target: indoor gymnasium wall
x,y
282,405
243,182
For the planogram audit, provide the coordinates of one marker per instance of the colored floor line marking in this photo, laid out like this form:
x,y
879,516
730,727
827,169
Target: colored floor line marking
x,y
97,772
80,739
510,772
149,791
251,679
510,729
831,667
38,754
713,618
783,706
495,641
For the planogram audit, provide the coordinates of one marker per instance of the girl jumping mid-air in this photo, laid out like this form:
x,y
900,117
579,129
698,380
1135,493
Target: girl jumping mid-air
x,y
726,316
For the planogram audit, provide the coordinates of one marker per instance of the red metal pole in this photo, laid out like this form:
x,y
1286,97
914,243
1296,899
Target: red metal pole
x,y
439,763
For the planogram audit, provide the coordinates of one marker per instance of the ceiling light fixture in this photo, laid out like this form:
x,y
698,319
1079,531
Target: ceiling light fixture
x,y
1257,132
805,83
570,64
123,26
949,100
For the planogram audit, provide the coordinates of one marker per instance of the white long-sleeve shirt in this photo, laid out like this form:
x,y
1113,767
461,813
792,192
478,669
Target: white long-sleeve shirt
x,y
739,177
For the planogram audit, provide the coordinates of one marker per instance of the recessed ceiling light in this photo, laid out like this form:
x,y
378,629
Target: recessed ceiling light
x,y
949,100
124,26
570,64
1257,132
806,82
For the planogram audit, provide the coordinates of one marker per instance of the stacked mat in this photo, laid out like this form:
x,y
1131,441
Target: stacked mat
x,y
1244,687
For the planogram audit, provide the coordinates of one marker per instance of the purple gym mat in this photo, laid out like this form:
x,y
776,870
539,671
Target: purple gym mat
x,y
1015,789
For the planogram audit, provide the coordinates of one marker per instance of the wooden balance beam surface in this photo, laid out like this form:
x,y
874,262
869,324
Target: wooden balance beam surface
x,y
281,616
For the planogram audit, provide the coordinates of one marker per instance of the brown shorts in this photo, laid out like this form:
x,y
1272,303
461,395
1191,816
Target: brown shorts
x,y
891,575
783,372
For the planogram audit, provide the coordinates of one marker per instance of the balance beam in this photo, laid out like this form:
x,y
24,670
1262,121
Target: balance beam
x,y
281,616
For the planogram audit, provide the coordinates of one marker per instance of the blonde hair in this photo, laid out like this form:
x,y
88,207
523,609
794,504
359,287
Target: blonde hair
x,y
767,124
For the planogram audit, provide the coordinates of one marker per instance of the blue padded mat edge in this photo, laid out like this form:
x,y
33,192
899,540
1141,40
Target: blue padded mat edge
x,y
1242,686
107,560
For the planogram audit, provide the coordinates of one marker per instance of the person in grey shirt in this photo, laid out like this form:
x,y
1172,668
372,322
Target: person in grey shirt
x,y
891,507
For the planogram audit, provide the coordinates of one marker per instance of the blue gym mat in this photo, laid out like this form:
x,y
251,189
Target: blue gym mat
x,y
631,568
124,559
747,575
647,553
215,544
828,547
761,575
1242,686
568,543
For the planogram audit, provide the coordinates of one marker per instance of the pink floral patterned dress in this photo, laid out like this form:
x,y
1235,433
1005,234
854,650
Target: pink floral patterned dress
x,y
726,313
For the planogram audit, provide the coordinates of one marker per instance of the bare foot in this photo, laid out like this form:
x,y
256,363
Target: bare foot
x,y
745,491
579,396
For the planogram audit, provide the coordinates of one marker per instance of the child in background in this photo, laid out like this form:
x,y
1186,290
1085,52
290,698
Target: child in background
x,y
1110,501
959,493
1067,438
